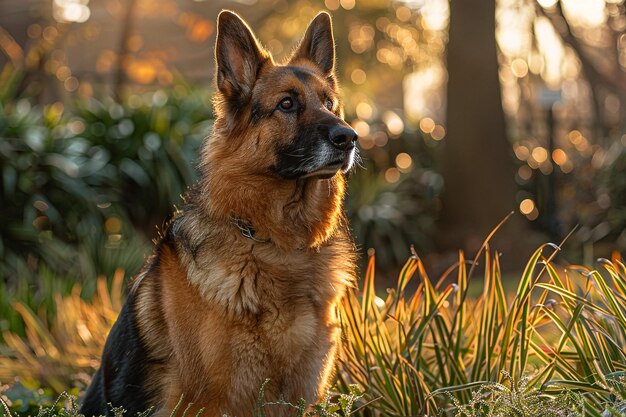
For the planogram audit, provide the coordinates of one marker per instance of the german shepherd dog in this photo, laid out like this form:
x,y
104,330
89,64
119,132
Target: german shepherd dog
x,y
244,284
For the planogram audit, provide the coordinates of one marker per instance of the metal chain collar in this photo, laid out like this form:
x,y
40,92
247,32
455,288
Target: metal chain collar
x,y
246,229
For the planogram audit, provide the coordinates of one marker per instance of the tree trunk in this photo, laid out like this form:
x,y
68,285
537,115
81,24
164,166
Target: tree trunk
x,y
477,159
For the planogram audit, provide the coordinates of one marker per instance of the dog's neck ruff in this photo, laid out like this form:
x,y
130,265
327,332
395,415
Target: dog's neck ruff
x,y
246,229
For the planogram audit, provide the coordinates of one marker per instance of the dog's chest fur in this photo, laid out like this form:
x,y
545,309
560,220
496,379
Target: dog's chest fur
x,y
242,312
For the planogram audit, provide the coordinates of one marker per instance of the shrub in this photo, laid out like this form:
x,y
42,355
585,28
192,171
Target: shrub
x,y
515,399
77,176
71,183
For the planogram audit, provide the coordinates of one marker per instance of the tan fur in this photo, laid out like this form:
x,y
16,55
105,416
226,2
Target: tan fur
x,y
221,313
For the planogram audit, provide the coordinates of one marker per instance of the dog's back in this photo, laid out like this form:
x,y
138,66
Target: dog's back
x,y
119,380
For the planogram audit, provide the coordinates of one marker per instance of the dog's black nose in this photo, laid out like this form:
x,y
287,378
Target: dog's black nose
x,y
343,137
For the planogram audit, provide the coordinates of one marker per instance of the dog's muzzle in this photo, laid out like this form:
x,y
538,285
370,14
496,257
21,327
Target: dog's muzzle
x,y
319,151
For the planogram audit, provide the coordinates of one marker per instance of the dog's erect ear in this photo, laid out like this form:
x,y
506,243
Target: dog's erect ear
x,y
318,45
238,55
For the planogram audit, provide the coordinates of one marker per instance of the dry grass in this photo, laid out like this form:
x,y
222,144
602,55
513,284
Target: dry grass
x,y
66,354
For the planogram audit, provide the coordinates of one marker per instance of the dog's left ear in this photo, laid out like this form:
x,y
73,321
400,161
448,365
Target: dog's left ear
x,y
238,55
318,45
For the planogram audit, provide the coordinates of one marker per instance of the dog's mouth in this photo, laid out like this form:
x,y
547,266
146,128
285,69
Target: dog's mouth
x,y
322,162
326,172
332,168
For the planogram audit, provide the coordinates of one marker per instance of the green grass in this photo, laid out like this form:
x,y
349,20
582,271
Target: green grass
x,y
66,405
510,399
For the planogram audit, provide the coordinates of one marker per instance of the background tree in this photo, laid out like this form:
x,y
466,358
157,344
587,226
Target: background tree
x,y
477,162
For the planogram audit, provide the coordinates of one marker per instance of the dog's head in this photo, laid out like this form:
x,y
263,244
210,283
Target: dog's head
x,y
285,120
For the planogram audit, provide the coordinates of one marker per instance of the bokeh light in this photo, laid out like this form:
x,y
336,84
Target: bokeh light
x,y
394,123
540,154
364,110
358,76
438,133
403,161
392,175
427,125
559,156
361,127
68,11
526,206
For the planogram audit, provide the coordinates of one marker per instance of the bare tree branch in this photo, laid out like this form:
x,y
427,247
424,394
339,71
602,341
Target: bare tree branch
x,y
615,80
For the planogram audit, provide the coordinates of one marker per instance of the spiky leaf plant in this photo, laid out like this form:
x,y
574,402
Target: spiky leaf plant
x,y
423,351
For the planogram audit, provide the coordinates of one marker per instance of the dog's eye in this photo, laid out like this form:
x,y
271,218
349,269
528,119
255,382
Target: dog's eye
x,y
329,104
286,104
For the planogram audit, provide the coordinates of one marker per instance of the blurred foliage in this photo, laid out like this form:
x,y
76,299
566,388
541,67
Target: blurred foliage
x,y
50,189
392,208
612,191
591,198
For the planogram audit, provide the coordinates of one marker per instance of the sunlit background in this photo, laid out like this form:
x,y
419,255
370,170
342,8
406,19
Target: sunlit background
x,y
124,87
